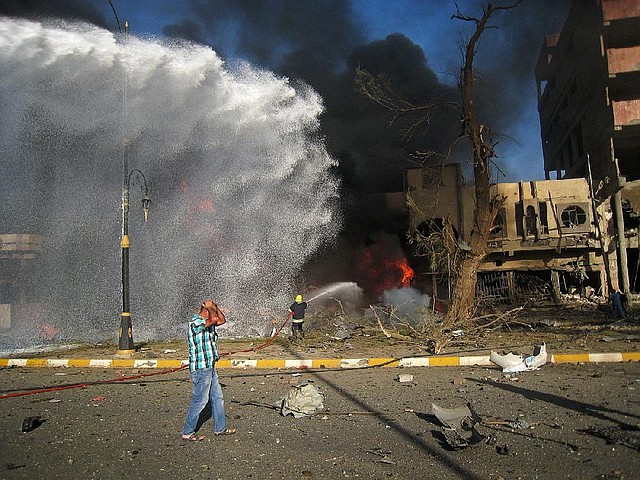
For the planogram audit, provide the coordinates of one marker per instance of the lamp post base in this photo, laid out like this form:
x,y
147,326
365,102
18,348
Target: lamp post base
x,y
125,338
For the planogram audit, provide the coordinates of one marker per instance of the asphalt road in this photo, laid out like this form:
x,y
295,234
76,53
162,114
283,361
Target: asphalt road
x,y
372,426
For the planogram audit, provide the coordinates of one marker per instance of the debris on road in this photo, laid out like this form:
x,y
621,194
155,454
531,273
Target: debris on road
x,y
523,422
458,425
615,435
404,378
512,363
302,400
460,417
31,423
342,333
385,456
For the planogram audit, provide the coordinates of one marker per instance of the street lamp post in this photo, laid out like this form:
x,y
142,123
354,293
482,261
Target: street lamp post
x,y
125,338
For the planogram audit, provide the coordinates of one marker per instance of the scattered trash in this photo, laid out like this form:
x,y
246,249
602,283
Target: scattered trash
x,y
404,378
31,423
512,363
456,422
523,422
457,333
460,417
302,400
55,400
99,398
502,449
169,350
615,435
342,334
385,456
617,338
453,438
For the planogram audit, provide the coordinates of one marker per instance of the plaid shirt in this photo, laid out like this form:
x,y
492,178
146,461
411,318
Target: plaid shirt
x,y
203,352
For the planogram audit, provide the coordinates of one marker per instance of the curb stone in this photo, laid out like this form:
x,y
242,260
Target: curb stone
x,y
315,363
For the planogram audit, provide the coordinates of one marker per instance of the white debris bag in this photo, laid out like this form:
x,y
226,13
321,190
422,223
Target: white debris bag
x,y
512,363
302,400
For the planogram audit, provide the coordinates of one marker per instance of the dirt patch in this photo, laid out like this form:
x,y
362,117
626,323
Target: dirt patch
x,y
564,329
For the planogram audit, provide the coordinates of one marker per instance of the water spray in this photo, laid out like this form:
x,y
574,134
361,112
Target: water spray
x,y
333,288
246,135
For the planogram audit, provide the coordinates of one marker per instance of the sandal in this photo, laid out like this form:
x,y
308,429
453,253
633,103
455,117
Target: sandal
x,y
192,438
226,431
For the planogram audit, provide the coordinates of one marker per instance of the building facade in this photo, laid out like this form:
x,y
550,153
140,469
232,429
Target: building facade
x,y
588,79
545,228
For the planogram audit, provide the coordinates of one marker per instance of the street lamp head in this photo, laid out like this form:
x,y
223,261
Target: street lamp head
x,y
146,204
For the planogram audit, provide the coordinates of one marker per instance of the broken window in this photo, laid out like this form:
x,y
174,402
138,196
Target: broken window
x,y
530,221
497,230
519,219
573,216
544,222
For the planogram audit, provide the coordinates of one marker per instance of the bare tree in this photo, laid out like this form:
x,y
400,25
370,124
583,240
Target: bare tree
x,y
482,143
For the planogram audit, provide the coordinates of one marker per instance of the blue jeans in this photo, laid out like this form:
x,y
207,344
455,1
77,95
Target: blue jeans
x,y
205,387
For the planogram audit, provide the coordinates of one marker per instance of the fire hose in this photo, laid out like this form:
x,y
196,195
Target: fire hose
x,y
143,375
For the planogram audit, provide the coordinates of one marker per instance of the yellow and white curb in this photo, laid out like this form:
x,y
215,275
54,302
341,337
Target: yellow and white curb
x,y
436,361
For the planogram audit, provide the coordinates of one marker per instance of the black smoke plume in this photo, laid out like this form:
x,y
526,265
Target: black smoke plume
x,y
322,43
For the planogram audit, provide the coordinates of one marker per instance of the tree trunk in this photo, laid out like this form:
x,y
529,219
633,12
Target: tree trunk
x,y
486,207
463,302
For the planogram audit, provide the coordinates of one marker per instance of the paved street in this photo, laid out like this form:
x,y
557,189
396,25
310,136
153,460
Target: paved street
x,y
372,426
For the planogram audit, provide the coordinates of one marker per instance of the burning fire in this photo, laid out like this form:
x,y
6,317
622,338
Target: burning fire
x,y
377,270
407,273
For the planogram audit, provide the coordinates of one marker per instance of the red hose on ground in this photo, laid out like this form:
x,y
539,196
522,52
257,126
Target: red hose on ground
x,y
254,349
142,375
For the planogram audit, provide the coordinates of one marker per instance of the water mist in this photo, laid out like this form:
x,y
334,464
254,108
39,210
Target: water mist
x,y
242,185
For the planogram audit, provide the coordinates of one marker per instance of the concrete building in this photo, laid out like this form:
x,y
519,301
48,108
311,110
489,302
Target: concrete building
x,y
588,78
544,234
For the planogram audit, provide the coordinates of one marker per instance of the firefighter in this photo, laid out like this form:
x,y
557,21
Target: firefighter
x,y
297,308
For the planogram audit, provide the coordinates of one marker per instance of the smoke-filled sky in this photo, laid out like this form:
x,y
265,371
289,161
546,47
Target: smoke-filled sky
x,y
413,42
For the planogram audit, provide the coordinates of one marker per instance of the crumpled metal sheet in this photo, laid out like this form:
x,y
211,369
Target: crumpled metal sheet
x,y
512,363
302,400
458,425
459,417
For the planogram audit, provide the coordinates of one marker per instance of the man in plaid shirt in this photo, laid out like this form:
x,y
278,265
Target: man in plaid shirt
x,y
203,354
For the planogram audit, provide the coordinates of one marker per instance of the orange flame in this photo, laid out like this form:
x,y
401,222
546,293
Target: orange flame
x,y
407,273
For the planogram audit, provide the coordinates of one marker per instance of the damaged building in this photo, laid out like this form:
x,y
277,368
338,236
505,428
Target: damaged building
x,y
578,228
588,79
544,240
